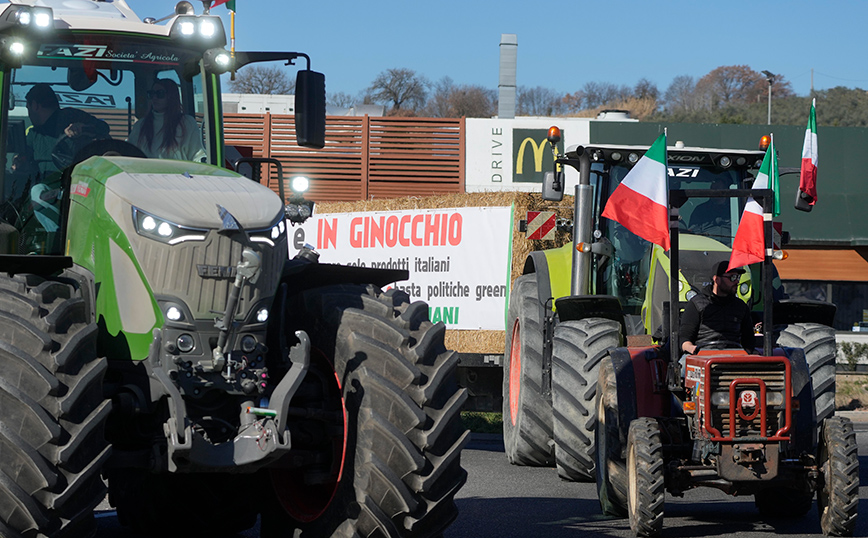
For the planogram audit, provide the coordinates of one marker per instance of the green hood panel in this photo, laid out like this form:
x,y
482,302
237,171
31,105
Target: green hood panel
x,y
185,193
130,270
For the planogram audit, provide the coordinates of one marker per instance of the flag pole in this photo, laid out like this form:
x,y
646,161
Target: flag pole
x,y
232,41
674,306
768,211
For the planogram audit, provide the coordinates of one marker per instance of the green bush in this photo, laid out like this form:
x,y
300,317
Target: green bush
x,y
480,422
853,351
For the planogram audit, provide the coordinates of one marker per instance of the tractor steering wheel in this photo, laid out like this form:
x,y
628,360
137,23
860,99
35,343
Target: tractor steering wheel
x,y
720,344
67,147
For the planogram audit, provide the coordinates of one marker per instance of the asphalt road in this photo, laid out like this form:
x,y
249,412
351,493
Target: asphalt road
x,y
504,501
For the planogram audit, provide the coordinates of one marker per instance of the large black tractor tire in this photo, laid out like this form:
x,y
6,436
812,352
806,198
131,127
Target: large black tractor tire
x,y
838,496
527,414
401,461
645,483
52,413
610,437
784,502
578,348
818,342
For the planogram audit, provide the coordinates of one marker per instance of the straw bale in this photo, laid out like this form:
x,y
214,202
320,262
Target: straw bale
x,y
474,341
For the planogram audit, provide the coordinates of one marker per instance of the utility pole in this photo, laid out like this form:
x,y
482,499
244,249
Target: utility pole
x,y
771,78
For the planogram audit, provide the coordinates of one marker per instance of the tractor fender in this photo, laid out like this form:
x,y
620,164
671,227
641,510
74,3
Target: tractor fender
x,y
538,265
641,375
300,275
554,270
576,307
806,435
626,384
789,311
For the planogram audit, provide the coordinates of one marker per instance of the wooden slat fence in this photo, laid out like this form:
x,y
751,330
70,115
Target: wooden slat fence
x,y
363,157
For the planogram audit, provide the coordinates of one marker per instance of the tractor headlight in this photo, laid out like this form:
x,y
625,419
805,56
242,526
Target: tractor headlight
x,y
270,236
206,31
744,288
217,61
299,184
162,230
33,17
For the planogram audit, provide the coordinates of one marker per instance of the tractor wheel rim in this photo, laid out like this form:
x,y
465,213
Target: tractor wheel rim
x,y
309,503
514,373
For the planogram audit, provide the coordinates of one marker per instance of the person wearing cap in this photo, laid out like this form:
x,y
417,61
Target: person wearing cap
x,y
51,123
716,317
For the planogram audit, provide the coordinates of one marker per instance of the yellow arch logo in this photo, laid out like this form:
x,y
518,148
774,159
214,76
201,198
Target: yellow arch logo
x,y
537,155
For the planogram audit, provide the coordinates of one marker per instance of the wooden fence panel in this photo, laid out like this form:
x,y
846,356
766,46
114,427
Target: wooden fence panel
x,y
363,157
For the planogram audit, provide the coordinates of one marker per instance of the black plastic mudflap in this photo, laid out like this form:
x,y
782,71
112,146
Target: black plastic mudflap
x,y
804,311
577,307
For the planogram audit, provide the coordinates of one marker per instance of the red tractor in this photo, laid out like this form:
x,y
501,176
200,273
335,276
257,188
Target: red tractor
x,y
744,423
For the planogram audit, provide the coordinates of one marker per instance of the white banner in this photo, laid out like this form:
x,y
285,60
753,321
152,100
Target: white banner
x,y
459,259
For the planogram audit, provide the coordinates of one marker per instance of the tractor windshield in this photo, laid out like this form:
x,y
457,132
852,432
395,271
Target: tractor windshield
x,y
625,275
78,95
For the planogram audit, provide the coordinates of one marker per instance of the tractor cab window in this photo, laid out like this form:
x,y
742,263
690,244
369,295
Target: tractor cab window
x,y
83,96
625,274
715,218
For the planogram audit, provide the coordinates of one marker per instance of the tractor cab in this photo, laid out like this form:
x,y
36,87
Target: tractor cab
x,y
632,269
72,90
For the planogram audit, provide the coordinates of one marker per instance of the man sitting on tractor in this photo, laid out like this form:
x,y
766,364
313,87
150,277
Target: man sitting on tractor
x,y
717,318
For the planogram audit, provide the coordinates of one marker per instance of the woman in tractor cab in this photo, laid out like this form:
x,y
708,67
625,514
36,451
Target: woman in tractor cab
x,y
165,132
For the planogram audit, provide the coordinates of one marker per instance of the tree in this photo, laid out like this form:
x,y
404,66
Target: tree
x,y
737,84
679,96
400,89
451,101
645,89
598,94
262,80
341,99
538,101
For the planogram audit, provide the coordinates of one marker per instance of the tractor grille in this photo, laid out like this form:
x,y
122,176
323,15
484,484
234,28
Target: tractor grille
x,y
772,374
176,270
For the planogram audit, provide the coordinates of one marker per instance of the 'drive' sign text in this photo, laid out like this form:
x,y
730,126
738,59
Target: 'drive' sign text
x,y
381,231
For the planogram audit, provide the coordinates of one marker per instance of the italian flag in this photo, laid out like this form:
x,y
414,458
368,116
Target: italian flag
x,y
808,179
230,4
641,202
749,244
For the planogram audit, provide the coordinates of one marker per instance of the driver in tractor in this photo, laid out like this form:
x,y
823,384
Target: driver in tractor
x,y
51,124
717,318
712,217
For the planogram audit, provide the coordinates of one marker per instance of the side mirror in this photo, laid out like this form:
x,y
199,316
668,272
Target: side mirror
x,y
803,201
310,109
553,187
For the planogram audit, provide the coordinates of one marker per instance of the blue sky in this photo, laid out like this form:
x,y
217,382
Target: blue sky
x,y
561,45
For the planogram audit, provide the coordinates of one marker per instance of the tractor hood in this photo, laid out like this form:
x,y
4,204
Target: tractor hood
x,y
185,193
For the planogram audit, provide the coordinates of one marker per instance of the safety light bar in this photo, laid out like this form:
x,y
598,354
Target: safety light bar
x,y
29,17
205,31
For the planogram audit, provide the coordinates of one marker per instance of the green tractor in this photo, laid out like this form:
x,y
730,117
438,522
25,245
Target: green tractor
x,y
609,288
156,337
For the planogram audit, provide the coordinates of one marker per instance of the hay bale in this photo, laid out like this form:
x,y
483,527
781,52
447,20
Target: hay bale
x,y
522,202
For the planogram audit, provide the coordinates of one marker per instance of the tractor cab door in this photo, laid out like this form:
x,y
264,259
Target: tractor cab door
x,y
78,95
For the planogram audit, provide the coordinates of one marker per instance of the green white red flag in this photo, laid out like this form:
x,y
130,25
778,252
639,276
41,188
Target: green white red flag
x,y
641,202
749,244
230,4
808,177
